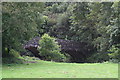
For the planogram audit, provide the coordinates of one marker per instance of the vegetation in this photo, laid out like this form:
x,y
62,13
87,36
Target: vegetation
x,y
49,49
19,24
94,23
115,53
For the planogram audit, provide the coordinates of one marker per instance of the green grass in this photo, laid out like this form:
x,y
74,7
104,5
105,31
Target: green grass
x,y
45,69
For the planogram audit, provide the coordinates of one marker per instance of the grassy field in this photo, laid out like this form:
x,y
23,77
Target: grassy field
x,y
45,69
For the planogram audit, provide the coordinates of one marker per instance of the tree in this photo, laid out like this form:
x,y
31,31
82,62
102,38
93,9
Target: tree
x,y
114,28
19,23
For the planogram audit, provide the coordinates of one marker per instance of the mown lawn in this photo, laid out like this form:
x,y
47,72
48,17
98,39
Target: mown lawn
x,y
45,69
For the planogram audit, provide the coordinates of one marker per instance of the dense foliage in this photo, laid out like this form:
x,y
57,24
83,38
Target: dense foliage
x,y
96,23
19,24
115,53
49,49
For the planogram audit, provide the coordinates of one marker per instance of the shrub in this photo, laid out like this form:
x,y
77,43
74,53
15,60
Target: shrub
x,y
12,60
115,53
114,61
50,49
10,53
13,53
98,57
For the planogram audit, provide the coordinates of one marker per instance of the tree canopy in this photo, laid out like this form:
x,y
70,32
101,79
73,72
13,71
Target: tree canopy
x,y
96,23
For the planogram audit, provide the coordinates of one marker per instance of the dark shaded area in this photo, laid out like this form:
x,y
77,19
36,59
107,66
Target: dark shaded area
x,y
79,51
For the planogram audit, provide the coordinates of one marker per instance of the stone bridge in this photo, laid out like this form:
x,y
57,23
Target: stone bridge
x,y
79,51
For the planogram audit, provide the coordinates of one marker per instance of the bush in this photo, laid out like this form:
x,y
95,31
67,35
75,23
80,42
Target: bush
x,y
12,60
50,49
98,57
115,53
10,53
114,61
14,53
